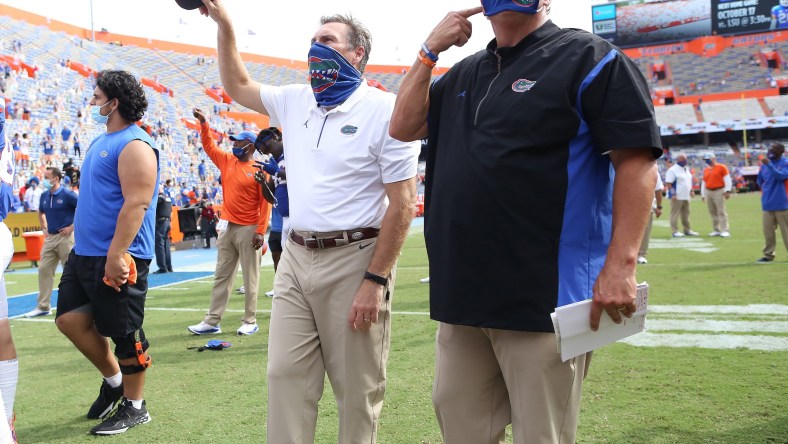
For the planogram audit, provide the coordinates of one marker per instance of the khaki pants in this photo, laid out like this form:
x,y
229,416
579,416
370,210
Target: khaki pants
x,y
486,379
715,199
54,251
643,251
233,245
772,220
310,336
679,208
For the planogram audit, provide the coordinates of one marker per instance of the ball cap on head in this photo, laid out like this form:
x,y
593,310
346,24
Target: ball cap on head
x,y
708,156
244,135
189,4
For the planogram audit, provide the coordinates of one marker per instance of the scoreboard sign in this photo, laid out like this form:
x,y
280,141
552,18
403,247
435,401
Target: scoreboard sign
x,y
631,23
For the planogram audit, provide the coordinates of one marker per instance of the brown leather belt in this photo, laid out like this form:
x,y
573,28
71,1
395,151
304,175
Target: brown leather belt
x,y
343,238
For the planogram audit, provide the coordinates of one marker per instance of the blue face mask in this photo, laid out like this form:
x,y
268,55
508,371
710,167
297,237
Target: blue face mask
x,y
771,155
683,163
333,78
492,7
95,112
239,152
47,185
708,162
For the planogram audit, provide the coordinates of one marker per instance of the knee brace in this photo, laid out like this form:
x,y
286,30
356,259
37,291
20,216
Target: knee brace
x,y
133,345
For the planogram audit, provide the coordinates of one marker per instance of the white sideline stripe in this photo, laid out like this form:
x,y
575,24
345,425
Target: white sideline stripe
x,y
169,289
717,326
766,343
189,309
33,319
752,309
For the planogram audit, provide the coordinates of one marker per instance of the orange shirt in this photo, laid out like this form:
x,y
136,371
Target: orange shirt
x,y
243,197
714,176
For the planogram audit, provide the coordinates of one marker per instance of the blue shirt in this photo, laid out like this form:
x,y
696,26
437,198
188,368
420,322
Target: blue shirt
x,y
65,134
276,220
59,208
201,169
184,196
280,192
771,179
101,198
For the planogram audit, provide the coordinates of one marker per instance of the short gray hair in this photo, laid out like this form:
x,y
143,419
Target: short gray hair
x,y
358,35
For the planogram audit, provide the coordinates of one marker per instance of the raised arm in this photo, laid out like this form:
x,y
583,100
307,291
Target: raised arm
x,y
409,119
235,77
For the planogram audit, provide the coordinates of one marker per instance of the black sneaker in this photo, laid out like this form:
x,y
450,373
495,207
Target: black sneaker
x,y
105,402
765,260
124,418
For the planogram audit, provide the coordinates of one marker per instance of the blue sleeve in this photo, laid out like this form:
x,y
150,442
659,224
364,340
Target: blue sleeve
x,y
41,201
73,199
779,173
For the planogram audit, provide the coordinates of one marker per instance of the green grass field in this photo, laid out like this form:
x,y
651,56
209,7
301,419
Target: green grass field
x,y
673,393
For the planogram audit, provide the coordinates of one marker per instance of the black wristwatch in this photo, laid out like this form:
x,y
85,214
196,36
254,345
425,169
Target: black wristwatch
x,y
376,279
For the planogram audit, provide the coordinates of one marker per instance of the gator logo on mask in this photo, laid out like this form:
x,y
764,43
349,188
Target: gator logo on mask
x,y
323,73
525,3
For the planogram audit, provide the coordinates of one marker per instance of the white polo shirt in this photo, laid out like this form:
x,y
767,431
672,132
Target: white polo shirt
x,y
338,160
681,179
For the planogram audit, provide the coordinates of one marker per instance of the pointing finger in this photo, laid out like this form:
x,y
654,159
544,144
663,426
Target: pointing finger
x,y
470,12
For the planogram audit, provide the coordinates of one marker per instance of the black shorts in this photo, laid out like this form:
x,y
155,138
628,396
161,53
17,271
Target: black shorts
x,y
275,241
116,313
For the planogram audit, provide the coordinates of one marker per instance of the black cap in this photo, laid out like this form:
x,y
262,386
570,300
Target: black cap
x,y
189,4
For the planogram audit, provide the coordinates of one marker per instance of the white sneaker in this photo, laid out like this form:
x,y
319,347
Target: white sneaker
x,y
725,234
241,290
37,312
270,294
426,280
692,233
715,234
246,329
204,329
678,234
642,260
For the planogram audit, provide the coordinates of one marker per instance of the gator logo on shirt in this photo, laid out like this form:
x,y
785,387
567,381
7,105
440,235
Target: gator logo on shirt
x,y
522,85
348,130
323,73
104,154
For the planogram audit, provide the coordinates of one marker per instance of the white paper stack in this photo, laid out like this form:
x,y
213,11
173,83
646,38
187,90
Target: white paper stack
x,y
573,329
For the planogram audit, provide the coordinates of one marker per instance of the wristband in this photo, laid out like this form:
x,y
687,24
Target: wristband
x,y
425,60
376,278
428,53
659,207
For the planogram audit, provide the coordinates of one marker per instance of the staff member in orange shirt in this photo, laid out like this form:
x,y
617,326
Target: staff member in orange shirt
x,y
715,190
246,213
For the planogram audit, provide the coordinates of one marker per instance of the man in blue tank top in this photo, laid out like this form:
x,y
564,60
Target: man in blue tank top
x,y
100,296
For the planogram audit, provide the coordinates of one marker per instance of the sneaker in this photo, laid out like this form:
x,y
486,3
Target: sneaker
x,y
37,312
725,234
241,290
765,260
106,400
426,280
678,234
714,234
642,260
270,294
124,418
247,329
160,271
691,233
204,329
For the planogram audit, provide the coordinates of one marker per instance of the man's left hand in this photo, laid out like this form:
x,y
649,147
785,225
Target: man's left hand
x,y
66,231
257,241
614,292
116,272
658,212
727,195
366,305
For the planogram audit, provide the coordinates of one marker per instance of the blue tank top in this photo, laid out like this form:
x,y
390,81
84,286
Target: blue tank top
x,y
100,197
6,168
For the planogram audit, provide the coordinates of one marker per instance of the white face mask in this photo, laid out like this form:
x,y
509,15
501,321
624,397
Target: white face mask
x,y
95,112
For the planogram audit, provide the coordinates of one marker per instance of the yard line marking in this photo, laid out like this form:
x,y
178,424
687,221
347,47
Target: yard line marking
x,y
170,289
765,343
717,326
34,320
759,309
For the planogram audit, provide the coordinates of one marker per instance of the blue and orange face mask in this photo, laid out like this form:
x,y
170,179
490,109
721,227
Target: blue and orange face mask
x,y
492,7
333,78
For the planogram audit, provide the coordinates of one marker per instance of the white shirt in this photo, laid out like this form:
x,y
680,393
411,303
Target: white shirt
x,y
338,160
659,187
681,179
33,198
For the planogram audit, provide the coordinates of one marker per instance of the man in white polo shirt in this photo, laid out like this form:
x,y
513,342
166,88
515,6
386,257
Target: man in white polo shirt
x,y
352,193
678,181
